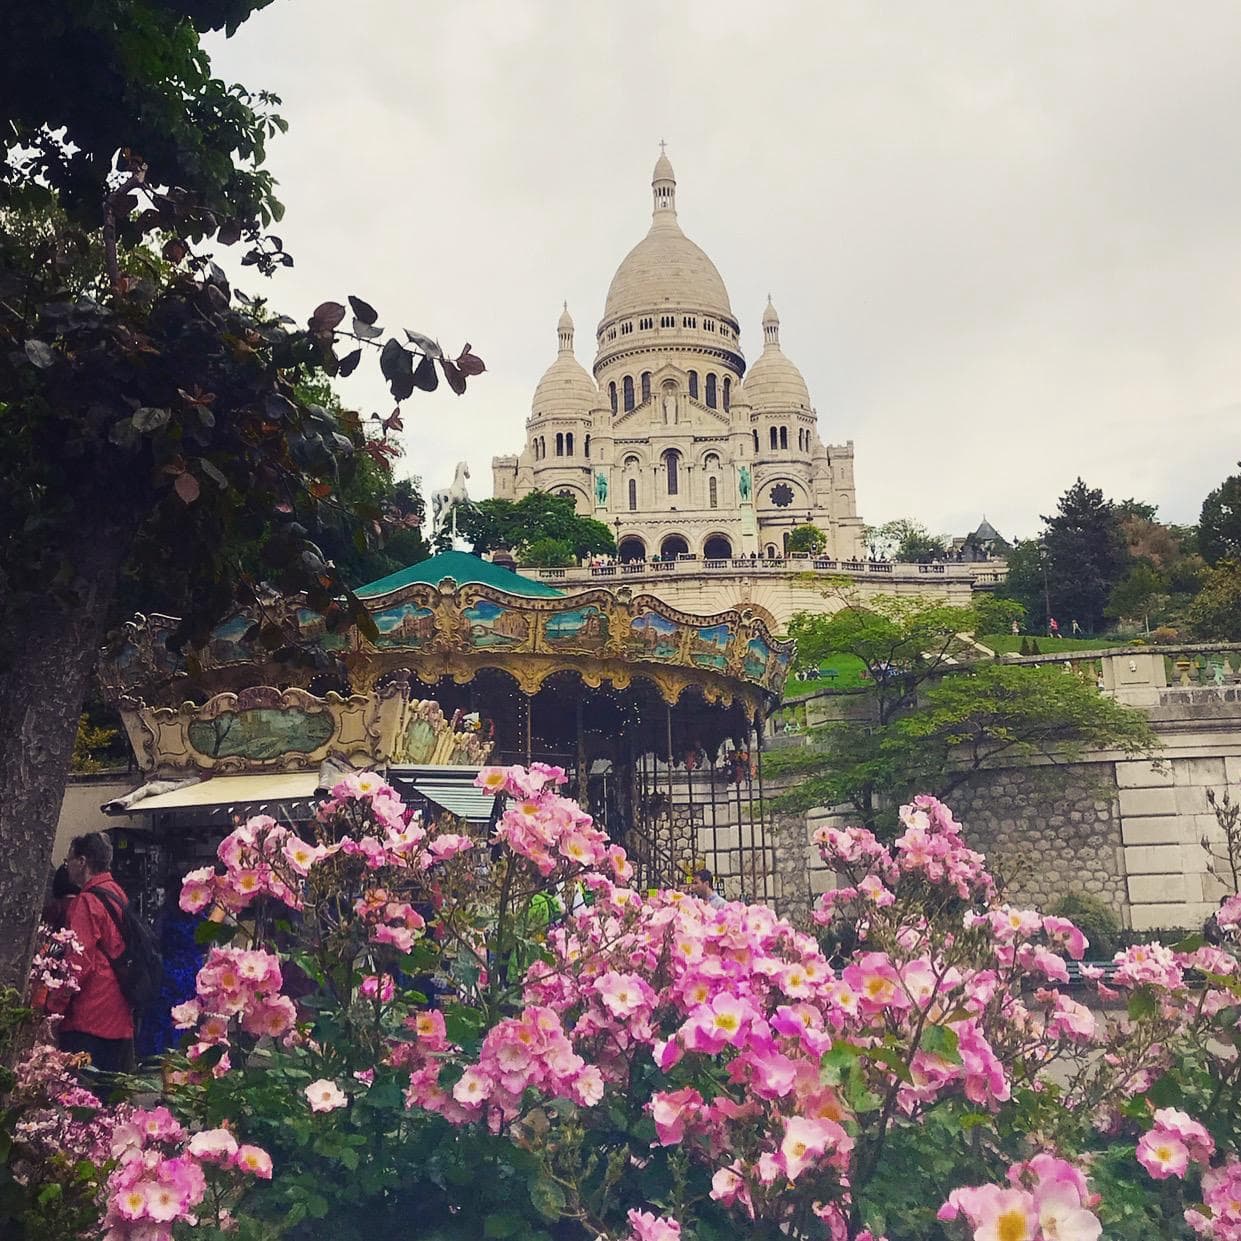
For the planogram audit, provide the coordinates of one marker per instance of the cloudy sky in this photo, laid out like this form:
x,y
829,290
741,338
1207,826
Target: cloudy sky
x,y
1004,239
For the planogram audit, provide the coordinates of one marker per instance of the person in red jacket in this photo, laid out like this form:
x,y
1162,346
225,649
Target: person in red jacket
x,y
97,1018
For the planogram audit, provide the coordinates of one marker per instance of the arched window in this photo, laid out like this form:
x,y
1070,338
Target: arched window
x,y
612,395
586,447
771,551
713,492
633,495
534,444
568,444
728,393
717,547
628,384
693,384
631,548
775,438
711,461
672,462
755,434
646,385
784,437
559,444
632,463
711,391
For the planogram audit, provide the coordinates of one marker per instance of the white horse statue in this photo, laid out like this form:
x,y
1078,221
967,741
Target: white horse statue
x,y
446,501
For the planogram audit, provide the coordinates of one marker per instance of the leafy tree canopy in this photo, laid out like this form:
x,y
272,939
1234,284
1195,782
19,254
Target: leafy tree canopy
x,y
1215,613
1219,527
152,421
808,539
1086,555
932,721
905,540
537,517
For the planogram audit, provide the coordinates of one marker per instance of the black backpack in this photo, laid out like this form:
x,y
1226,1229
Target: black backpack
x,y
138,967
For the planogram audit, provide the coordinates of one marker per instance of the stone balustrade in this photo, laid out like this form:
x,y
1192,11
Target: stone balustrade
x,y
986,573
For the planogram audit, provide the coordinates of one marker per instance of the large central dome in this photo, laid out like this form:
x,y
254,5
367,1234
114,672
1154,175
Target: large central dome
x,y
665,269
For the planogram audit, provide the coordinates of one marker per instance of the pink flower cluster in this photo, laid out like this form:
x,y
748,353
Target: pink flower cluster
x,y
240,983
1175,1141
519,1053
546,829
1220,1216
161,1176
931,849
1046,1199
56,1117
389,921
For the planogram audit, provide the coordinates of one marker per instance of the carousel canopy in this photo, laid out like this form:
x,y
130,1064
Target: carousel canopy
x,y
465,570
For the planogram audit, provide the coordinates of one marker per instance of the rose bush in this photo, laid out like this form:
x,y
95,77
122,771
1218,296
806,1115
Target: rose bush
x,y
386,1041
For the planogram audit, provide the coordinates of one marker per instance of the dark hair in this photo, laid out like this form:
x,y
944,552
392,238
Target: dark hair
x,y
62,885
95,848
705,875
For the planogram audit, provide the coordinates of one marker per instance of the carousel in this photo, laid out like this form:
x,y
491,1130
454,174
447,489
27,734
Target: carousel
x,y
656,714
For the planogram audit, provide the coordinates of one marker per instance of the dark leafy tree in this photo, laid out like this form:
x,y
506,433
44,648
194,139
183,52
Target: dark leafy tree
x,y
808,539
1215,613
548,554
1023,582
152,421
538,516
929,721
1086,555
1219,527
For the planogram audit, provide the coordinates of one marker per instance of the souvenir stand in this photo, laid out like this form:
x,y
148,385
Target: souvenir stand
x,y
656,714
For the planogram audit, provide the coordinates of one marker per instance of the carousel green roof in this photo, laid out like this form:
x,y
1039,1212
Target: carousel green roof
x,y
465,570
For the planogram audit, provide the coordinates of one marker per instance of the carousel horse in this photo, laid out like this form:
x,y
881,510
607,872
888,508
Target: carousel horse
x,y
446,501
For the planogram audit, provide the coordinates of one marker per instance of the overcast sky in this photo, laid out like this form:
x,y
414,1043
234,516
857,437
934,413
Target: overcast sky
x,y
1004,239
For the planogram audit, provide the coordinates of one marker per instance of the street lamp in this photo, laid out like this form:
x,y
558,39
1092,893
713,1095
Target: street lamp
x,y
1042,559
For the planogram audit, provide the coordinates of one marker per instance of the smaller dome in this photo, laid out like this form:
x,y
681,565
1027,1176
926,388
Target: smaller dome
x,y
565,388
663,169
773,382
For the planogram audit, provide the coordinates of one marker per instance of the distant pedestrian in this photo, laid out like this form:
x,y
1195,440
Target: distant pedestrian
x,y
97,1017
1053,627
1074,627
1016,629
703,887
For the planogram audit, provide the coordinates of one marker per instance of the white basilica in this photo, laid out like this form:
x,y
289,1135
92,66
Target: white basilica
x,y
673,443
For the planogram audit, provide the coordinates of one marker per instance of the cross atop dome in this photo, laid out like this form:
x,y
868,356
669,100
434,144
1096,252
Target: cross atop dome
x,y
664,185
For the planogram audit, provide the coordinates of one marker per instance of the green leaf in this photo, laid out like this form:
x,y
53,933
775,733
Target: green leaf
x,y
547,1198
40,354
941,1041
150,418
1142,1004
214,933
503,1224
363,311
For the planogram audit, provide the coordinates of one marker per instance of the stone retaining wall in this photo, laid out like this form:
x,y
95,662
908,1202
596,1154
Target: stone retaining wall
x,y
1049,831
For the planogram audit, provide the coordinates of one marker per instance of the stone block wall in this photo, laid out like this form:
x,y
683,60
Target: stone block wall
x,y
1049,830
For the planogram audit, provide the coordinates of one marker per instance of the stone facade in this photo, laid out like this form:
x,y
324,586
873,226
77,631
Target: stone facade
x,y
670,441
1048,831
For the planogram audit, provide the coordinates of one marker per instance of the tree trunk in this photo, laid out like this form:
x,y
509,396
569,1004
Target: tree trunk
x,y
51,651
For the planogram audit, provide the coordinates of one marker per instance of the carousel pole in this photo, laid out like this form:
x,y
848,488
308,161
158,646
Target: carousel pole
x,y
529,727
582,792
762,806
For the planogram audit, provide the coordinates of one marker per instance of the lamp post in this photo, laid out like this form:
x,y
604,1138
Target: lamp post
x,y
1042,559
617,523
